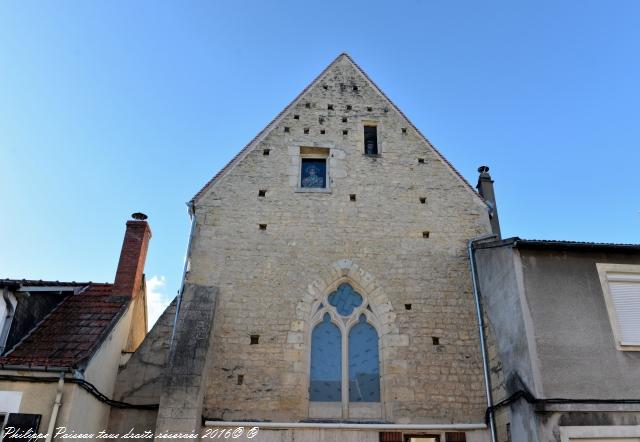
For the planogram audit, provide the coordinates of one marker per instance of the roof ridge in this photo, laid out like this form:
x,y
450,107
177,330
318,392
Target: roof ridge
x,y
264,131
244,151
413,126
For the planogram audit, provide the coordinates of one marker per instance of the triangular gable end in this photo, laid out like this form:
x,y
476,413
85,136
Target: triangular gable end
x,y
274,123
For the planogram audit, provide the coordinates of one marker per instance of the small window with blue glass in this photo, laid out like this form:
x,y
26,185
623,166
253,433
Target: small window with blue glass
x,y
313,173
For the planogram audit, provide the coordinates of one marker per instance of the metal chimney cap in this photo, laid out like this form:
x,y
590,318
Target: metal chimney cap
x,y
139,216
483,169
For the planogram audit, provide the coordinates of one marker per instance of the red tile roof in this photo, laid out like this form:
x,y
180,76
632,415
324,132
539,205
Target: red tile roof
x,y
72,332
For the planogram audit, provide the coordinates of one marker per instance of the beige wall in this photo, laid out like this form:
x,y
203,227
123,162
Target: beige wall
x,y
269,280
80,411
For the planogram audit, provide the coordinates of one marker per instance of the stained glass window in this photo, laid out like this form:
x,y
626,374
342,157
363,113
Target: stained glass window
x,y
361,341
326,362
313,172
364,371
345,299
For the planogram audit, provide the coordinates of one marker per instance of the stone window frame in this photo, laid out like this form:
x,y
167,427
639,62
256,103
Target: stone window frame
x,y
360,140
327,179
345,409
586,433
603,271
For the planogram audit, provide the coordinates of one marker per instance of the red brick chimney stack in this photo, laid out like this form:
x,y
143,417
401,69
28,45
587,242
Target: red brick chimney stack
x,y
132,257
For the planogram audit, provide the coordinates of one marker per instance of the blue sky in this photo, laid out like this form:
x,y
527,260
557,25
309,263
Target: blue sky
x,y
107,108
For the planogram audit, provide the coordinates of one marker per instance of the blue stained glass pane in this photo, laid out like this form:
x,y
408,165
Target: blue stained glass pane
x,y
345,299
326,362
313,173
364,368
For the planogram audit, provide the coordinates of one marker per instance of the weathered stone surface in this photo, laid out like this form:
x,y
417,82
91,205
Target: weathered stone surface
x,y
269,280
185,376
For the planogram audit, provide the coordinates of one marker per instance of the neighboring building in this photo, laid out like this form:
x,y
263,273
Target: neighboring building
x,y
328,289
61,343
566,321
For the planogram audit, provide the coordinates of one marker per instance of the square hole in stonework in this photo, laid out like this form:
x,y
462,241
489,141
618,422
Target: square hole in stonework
x,y
355,88
306,130
421,160
240,379
407,306
369,108
404,130
349,107
435,340
325,87
262,193
255,339
322,131
330,106
286,129
423,200
425,234
262,226
307,105
345,132
296,117
352,197
265,152
344,119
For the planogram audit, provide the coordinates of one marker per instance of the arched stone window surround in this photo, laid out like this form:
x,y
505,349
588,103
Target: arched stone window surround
x,y
381,317
345,324
298,346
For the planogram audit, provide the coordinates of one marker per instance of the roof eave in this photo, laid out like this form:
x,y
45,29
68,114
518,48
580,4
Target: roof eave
x,y
245,150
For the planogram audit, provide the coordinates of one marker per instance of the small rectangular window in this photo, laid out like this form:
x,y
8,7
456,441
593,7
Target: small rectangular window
x,y
621,287
313,173
371,140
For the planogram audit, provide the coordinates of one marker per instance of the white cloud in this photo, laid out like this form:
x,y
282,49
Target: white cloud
x,y
157,299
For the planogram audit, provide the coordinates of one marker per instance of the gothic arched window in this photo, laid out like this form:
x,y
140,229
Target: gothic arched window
x,y
345,362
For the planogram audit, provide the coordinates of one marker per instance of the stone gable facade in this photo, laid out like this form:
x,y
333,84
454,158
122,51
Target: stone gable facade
x,y
266,252
270,280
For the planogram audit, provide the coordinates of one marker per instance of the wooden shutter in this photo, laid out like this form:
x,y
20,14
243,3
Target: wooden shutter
x,y
625,295
391,436
23,422
458,436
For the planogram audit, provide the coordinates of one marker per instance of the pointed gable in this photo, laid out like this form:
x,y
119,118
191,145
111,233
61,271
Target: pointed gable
x,y
323,78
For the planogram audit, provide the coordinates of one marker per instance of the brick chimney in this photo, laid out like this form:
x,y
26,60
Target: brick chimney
x,y
130,271
485,189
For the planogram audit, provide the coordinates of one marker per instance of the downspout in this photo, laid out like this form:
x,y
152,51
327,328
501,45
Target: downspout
x,y
56,407
483,342
192,213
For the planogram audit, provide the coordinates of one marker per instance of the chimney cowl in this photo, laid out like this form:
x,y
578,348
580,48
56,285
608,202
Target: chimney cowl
x,y
139,216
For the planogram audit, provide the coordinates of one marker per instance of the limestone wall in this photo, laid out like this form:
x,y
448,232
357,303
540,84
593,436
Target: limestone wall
x,y
269,280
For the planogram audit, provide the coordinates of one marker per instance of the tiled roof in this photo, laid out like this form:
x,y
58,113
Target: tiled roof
x,y
72,332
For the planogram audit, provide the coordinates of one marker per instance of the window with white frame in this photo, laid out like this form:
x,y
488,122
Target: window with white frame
x,y
621,288
345,365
